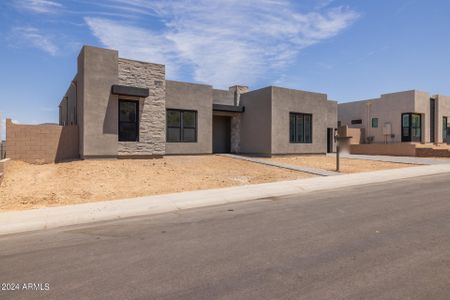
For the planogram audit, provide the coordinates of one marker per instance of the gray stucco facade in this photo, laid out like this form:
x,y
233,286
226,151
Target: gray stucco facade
x,y
235,120
195,97
388,111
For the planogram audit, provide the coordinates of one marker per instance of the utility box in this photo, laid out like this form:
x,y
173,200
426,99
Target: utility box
x,y
387,129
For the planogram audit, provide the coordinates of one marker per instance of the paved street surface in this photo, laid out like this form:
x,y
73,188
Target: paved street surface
x,y
386,241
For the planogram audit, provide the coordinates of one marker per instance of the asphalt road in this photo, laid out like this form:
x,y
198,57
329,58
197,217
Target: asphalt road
x,y
387,241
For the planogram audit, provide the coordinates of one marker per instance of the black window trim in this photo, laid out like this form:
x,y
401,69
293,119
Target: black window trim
x,y
137,122
296,141
181,127
372,119
410,138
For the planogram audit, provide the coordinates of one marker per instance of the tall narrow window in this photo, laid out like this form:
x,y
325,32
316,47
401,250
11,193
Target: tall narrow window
x,y
444,129
181,126
128,121
300,128
432,120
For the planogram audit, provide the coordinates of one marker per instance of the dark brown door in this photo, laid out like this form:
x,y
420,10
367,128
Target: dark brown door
x,y
221,134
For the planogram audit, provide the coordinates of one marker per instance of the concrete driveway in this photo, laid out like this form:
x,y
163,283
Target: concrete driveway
x,y
385,241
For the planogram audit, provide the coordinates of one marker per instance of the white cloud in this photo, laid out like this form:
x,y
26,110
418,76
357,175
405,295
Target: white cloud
x,y
135,42
223,42
323,3
40,6
30,36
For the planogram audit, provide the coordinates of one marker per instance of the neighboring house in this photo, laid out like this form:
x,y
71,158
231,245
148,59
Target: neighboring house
x,y
411,116
127,108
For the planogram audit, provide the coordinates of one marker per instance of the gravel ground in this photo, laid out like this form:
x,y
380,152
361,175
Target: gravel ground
x,y
329,163
32,186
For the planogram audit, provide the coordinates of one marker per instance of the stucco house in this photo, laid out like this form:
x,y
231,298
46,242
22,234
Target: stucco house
x,y
127,108
403,117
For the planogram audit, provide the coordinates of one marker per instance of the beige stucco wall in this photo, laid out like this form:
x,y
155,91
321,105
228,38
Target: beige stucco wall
x,y
68,106
190,96
356,134
324,115
256,122
443,110
223,97
422,106
80,101
152,112
63,118
388,109
399,149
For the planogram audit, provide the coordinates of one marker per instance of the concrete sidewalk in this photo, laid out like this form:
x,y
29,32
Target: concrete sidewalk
x,y
395,159
314,171
37,219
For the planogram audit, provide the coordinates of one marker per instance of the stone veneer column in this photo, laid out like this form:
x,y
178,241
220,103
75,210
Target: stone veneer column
x,y
235,133
152,110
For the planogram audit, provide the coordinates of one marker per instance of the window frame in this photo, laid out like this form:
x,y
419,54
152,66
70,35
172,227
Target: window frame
x,y
376,121
444,129
356,122
411,128
137,122
181,126
296,116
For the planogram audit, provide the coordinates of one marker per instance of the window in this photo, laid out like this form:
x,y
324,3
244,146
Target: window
x,y
128,121
354,122
181,126
411,127
444,129
300,128
374,122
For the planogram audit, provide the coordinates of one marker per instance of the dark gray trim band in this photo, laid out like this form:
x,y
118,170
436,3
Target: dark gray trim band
x,y
124,90
229,108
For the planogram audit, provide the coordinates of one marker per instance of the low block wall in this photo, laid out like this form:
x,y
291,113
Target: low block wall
x,y
430,152
41,143
384,149
357,134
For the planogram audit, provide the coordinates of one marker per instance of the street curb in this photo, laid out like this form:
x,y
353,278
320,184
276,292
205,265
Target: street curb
x,y
52,217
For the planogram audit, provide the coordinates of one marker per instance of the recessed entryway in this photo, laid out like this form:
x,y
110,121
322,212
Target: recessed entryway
x,y
221,134
330,140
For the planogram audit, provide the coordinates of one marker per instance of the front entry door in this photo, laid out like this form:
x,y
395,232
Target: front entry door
x,y
221,134
411,127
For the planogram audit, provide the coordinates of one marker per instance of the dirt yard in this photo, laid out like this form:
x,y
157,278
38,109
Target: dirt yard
x,y
329,163
32,186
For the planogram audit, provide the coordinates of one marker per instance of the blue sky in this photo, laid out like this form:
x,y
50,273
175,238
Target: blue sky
x,y
348,49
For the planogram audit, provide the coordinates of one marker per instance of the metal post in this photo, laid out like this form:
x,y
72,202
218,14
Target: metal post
x,y
337,157
336,139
